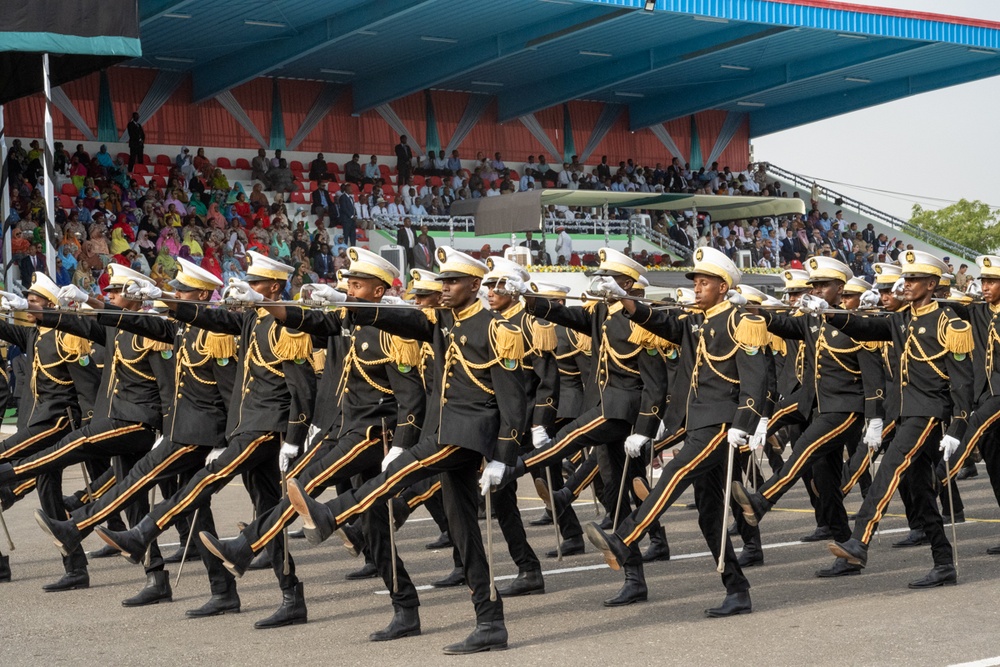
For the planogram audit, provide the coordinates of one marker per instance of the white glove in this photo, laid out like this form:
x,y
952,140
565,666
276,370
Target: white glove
x,y
661,432
311,436
812,304
949,445
607,287
492,474
390,299
391,456
737,438
975,288
759,436
11,301
214,454
286,455
539,437
871,299
71,294
897,288
634,444
873,434
514,285
150,292
735,298
134,287
157,443
239,291
323,292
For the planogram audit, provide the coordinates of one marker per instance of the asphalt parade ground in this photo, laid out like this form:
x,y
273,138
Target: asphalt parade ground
x,y
871,619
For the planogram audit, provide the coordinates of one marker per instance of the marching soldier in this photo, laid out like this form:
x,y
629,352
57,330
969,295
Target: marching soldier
x,y
270,410
478,412
844,386
205,374
936,380
727,393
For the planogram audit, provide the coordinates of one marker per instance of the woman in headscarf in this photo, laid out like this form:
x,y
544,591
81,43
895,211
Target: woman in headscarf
x,y
219,181
164,268
168,240
118,243
204,165
192,243
280,248
214,217
145,247
211,263
98,242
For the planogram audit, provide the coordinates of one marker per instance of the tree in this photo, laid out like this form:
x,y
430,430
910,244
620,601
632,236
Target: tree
x,y
969,223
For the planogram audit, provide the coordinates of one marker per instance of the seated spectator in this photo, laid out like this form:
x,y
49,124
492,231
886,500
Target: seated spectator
x,y
353,172
317,169
280,177
203,165
372,171
258,198
260,166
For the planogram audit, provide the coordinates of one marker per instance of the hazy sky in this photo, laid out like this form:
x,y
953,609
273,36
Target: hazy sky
x,y
933,145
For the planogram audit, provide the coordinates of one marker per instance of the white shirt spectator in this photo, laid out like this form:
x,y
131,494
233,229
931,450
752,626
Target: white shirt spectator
x,y
424,190
564,178
417,210
564,245
493,191
456,182
396,210
440,163
525,180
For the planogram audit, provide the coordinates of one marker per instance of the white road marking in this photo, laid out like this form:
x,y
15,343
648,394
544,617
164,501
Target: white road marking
x,y
985,662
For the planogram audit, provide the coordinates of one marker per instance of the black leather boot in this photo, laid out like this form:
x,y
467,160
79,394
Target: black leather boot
x,y
853,551
752,554
353,538
486,637
733,605
4,568
405,623
442,542
156,590
366,571
840,568
261,562
296,534
317,520
572,547
526,583
64,534
227,602
105,551
659,548
133,542
70,581
455,578
940,575
914,538
754,505
235,554
178,556
633,590
821,533
291,612
612,548
558,502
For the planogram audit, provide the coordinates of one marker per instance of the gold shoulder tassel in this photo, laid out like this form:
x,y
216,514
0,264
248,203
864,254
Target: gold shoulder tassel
x,y
75,345
752,331
319,361
404,351
958,337
155,345
507,340
778,345
648,339
543,336
590,305
431,314
219,345
293,346
871,345
581,342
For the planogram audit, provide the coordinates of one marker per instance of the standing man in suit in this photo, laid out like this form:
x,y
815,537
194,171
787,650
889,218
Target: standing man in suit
x,y
136,141
404,161
322,202
34,261
406,239
424,252
348,215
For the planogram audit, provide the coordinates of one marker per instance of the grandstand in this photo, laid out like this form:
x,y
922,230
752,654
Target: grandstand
x,y
596,74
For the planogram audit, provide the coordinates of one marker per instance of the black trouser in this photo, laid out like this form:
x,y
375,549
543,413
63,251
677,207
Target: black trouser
x,y
983,430
512,527
860,462
459,470
99,439
914,451
701,462
254,456
428,494
134,156
161,466
820,449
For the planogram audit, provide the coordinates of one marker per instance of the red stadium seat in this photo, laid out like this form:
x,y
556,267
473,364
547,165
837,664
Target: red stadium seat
x,y
163,159
419,181
65,201
332,168
243,163
384,169
296,165
298,197
123,157
155,182
68,189
141,169
161,169
313,185
223,163
362,235
388,189
514,176
367,189
436,180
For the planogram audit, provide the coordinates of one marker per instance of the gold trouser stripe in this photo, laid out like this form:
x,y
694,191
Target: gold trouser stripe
x,y
894,482
417,501
394,479
586,481
787,410
865,463
104,489
551,452
211,478
311,486
661,499
98,517
304,461
576,458
24,489
792,474
971,444
11,453
73,444
669,440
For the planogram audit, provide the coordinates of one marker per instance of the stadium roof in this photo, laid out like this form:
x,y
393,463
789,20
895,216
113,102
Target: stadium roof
x,y
783,62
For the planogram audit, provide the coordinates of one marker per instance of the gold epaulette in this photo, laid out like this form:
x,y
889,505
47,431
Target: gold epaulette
x,y
293,346
404,351
752,331
219,345
648,340
319,361
589,306
543,336
778,345
75,345
507,340
871,345
154,345
957,337
431,314
581,342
